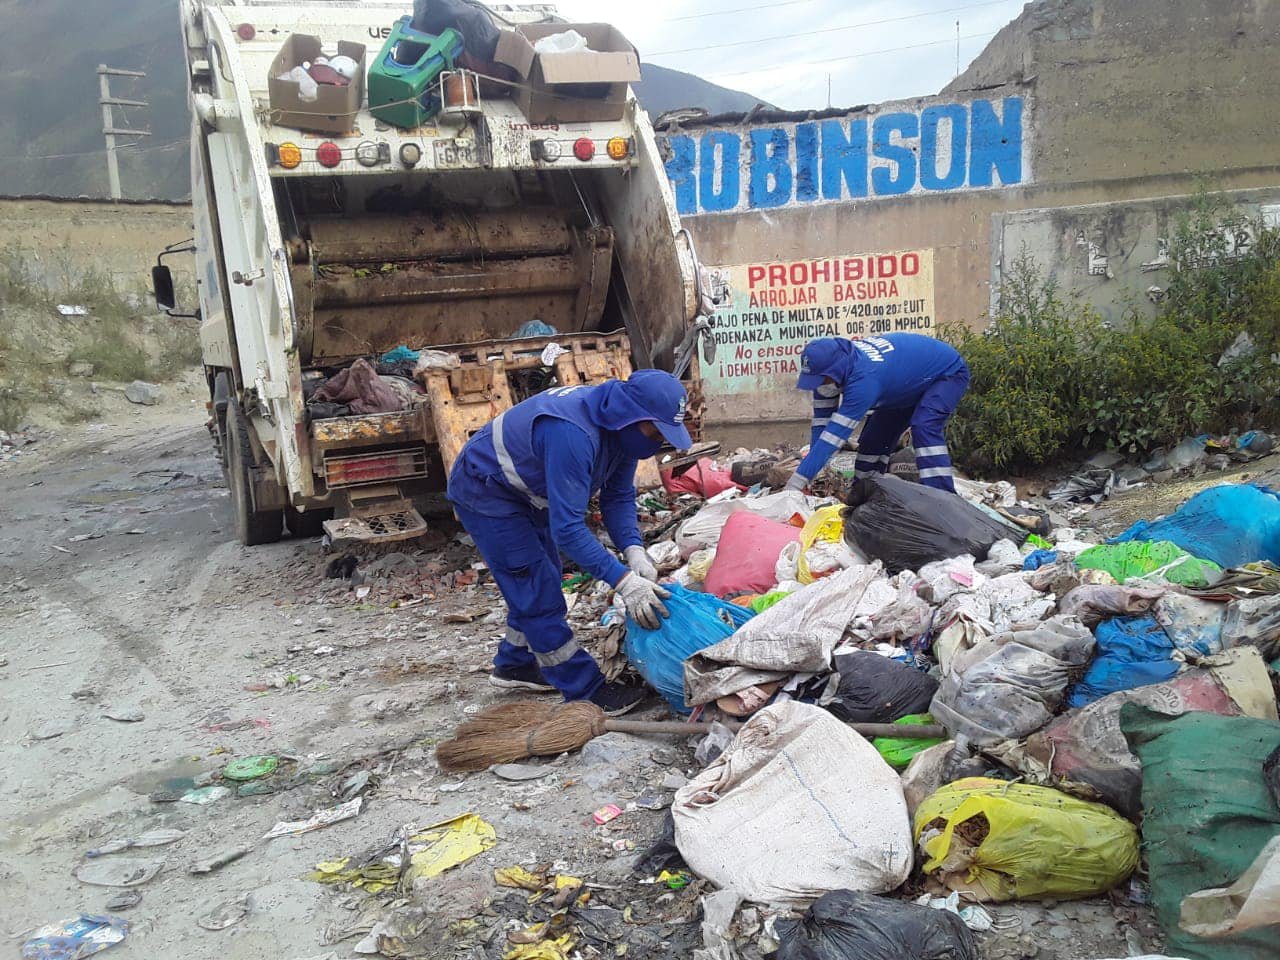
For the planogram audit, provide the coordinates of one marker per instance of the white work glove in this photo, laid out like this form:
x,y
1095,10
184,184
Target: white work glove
x,y
640,564
643,600
797,482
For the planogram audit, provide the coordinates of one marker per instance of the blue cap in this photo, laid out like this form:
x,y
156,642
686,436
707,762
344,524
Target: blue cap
x,y
818,361
663,399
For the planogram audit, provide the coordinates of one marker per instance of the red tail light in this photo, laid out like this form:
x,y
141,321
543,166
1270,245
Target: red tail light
x,y
329,154
584,149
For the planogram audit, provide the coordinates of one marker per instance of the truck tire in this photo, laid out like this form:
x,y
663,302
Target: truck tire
x,y
252,528
308,524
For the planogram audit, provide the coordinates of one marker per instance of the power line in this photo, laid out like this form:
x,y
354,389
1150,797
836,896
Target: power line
x,y
814,33
851,56
97,153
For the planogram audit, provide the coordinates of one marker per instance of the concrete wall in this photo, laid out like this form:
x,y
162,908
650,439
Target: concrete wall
x,y
1077,103
1115,256
65,239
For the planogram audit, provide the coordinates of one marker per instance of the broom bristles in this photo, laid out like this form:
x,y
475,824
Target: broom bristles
x,y
516,731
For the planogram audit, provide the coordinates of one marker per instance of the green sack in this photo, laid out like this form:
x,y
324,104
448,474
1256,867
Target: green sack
x,y
1206,815
898,753
1137,558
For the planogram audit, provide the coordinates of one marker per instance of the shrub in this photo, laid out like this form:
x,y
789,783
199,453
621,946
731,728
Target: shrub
x,y
1050,380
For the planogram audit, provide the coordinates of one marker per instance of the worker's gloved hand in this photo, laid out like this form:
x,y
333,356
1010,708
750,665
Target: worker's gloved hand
x,y
640,564
643,600
797,482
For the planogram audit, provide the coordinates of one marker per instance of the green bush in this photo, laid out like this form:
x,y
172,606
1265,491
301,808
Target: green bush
x,y
1052,381
112,350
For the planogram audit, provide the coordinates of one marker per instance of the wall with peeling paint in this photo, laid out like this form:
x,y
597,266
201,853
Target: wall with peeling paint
x,y
1106,117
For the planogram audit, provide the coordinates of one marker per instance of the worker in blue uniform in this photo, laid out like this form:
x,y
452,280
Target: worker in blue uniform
x,y
521,486
901,379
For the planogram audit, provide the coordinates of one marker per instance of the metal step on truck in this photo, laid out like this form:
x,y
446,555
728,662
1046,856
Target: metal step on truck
x,y
474,202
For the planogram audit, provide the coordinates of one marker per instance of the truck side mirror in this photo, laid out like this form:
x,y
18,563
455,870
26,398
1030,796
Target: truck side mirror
x,y
162,286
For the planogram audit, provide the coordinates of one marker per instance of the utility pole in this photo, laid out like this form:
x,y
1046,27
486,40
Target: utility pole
x,y
828,91
109,129
957,48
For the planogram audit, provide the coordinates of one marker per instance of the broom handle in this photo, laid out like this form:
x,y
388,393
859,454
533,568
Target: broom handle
x,y
895,730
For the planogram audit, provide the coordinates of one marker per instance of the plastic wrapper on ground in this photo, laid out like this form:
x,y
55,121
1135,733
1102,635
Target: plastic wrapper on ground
x,y
1231,525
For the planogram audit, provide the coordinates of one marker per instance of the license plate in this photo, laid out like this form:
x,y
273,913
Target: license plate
x,y
456,153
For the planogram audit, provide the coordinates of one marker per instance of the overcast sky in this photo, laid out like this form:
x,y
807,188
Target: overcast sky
x,y
739,43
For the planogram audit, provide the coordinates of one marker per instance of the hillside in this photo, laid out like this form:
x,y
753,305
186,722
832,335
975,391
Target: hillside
x,y
50,132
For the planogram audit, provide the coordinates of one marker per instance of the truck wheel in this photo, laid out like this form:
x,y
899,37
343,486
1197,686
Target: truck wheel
x,y
308,524
252,528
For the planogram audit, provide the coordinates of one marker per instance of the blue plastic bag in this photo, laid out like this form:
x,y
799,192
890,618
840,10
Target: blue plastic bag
x,y
1132,652
1231,525
697,621
401,354
534,328
1039,558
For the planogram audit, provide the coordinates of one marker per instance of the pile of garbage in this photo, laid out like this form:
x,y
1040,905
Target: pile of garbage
x,y
14,444
1086,690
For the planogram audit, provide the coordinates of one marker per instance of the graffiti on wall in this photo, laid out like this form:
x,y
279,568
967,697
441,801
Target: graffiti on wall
x,y
942,147
767,312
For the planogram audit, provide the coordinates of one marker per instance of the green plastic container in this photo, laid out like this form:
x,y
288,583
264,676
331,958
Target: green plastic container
x,y
403,78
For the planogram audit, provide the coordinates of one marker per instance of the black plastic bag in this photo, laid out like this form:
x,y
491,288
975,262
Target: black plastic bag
x,y
663,855
875,689
906,525
479,34
843,925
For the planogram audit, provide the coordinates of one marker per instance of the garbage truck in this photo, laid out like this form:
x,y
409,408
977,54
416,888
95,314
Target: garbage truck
x,y
488,227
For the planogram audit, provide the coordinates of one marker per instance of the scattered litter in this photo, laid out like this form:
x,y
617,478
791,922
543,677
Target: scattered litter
x,y
226,914
72,310
218,861
432,851
81,537
250,768
518,772
610,811
117,871
152,838
75,938
1252,901
51,730
322,818
124,714
205,795
124,900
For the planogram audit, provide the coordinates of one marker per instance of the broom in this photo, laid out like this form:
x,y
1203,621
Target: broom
x,y
516,731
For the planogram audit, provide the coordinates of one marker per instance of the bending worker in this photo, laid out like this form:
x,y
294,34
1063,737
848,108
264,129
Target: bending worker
x,y
905,379
521,487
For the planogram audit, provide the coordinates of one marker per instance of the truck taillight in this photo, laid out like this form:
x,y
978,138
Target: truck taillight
x,y
548,150
584,148
246,31
351,471
288,155
329,154
618,148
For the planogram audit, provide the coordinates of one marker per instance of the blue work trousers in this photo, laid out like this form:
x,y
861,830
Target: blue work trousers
x,y
526,565
928,423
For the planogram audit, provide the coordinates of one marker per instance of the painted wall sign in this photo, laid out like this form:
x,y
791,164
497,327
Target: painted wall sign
x,y
940,148
767,312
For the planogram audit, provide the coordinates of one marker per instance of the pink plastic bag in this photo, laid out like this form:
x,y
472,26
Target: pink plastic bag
x,y
703,478
747,554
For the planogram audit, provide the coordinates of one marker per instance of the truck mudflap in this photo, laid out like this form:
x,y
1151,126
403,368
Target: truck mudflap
x,y
377,514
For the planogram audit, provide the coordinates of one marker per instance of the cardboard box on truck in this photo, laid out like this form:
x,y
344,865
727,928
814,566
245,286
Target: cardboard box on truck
x,y
334,109
577,85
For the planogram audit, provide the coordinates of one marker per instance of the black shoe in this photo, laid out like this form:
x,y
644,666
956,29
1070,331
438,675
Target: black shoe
x,y
522,678
615,699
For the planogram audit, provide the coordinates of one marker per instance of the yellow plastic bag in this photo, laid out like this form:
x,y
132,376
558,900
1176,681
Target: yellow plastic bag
x,y
827,525
1036,841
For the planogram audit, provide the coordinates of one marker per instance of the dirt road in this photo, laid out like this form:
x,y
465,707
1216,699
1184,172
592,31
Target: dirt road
x,y
122,592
